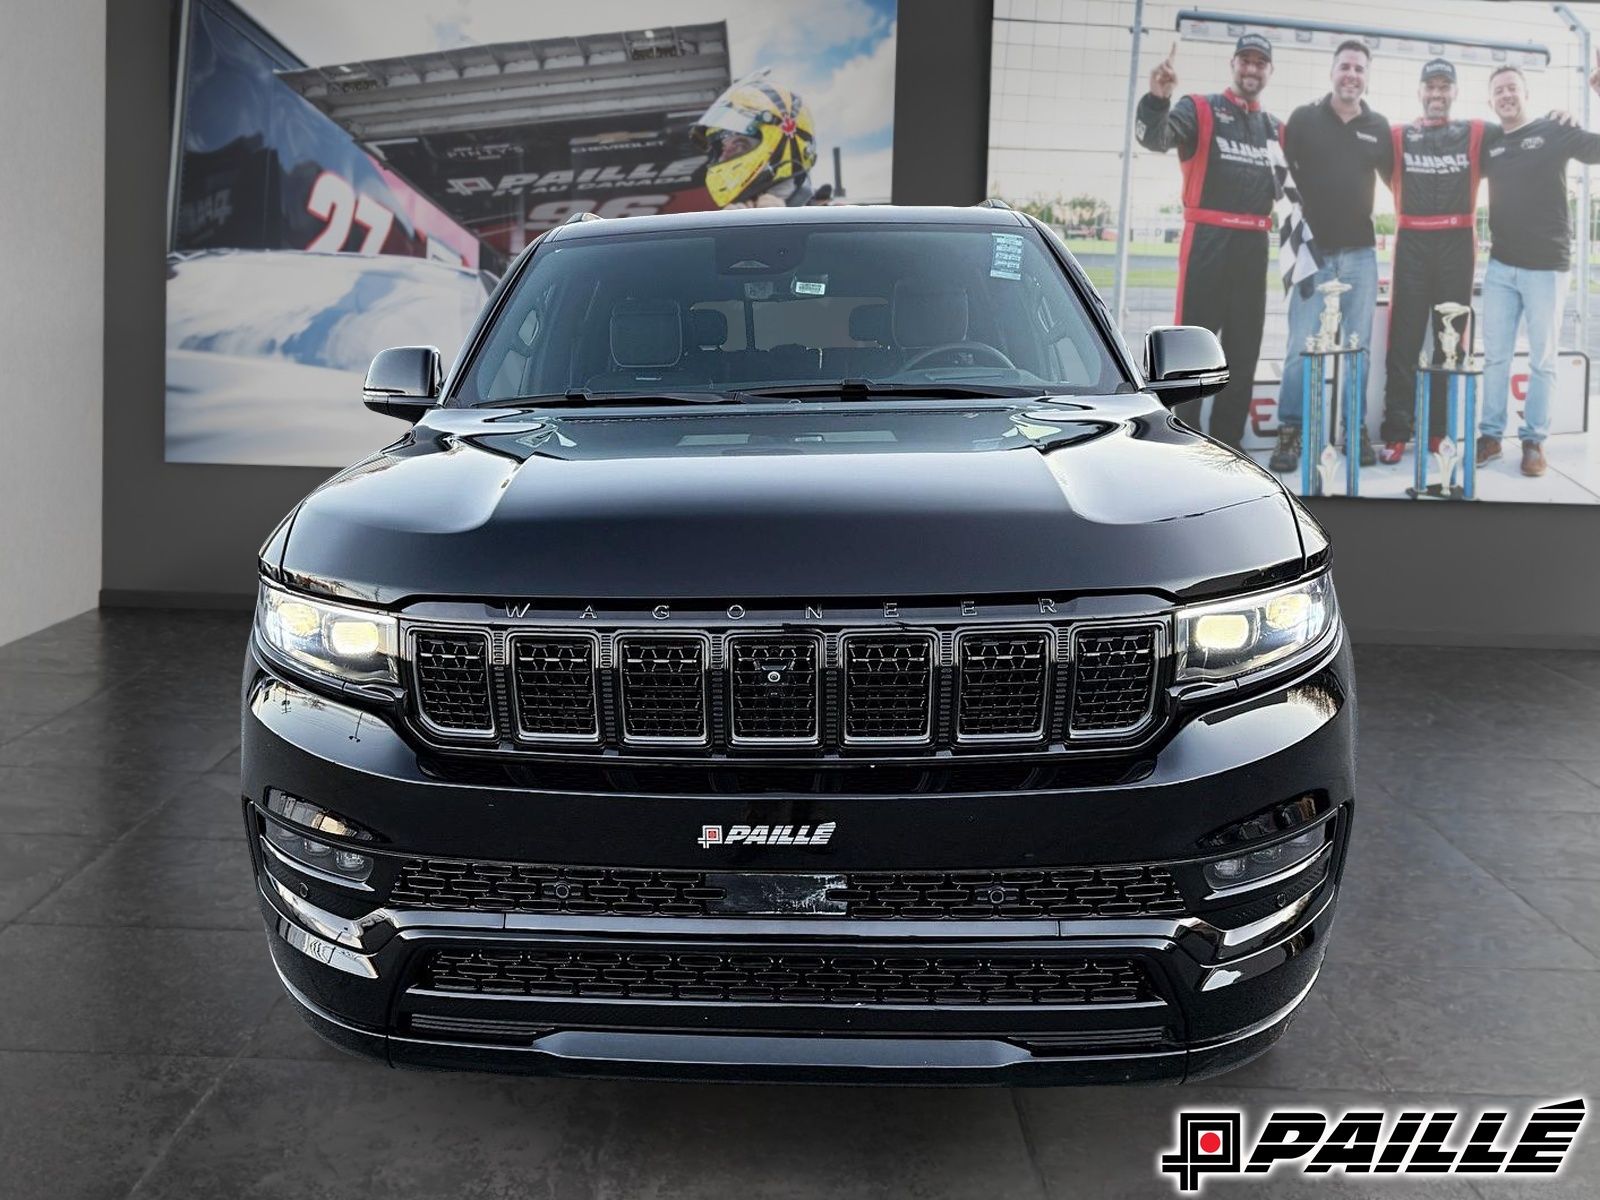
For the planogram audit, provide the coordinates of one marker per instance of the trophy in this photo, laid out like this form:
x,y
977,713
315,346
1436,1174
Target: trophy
x,y
1342,362
1449,336
1328,329
1452,464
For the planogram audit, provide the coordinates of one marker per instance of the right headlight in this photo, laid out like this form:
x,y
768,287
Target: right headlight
x,y
352,645
1241,636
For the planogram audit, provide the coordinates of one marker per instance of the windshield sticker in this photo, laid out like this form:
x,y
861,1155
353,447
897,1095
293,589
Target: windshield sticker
x,y
811,287
758,289
1007,260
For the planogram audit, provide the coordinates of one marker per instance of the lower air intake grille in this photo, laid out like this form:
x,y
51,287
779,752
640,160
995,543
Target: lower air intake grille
x,y
555,694
1063,893
663,689
888,688
452,676
1002,685
1114,687
783,977
521,887
774,688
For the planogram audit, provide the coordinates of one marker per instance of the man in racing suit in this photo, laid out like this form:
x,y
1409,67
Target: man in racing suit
x,y
1437,168
1229,186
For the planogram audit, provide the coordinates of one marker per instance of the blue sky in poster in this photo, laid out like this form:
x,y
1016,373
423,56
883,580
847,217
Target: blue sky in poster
x,y
839,54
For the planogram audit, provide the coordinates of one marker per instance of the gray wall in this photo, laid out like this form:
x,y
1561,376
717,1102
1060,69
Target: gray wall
x,y
1473,575
52,209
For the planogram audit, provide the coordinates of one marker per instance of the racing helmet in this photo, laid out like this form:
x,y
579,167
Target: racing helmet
x,y
756,134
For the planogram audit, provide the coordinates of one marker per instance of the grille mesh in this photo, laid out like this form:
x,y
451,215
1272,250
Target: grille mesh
x,y
1115,682
1002,685
888,687
1060,893
663,689
554,678
774,688
452,671
786,977
523,887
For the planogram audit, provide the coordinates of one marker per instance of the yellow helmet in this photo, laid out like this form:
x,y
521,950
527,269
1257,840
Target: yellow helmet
x,y
755,134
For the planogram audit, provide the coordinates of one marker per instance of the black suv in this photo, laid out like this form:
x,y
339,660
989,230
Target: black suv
x,y
800,644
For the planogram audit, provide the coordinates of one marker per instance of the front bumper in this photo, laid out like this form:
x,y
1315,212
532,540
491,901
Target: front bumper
x,y
1220,979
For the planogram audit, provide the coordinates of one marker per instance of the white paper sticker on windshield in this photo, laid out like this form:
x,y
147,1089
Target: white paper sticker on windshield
x,y
1007,260
810,287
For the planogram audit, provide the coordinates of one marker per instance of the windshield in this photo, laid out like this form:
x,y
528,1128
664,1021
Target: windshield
x,y
746,307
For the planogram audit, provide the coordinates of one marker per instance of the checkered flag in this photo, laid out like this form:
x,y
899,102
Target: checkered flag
x,y
1298,259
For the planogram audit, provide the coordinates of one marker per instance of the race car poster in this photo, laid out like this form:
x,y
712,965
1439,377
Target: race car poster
x,y
1381,210
348,177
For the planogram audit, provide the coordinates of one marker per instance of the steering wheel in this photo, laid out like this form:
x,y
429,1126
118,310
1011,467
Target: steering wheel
x,y
982,349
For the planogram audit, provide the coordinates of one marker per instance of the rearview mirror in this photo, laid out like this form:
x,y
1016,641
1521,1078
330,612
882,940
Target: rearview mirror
x,y
1183,362
404,382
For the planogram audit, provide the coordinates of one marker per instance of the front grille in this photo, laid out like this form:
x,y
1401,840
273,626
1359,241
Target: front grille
x,y
1114,686
785,977
774,689
663,688
554,679
531,888
452,678
888,687
1061,893
787,691
1002,685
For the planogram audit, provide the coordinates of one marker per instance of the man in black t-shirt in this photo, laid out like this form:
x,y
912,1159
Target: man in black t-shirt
x,y
1336,149
1528,261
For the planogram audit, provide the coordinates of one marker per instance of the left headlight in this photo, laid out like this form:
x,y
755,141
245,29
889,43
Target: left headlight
x,y
347,644
1237,637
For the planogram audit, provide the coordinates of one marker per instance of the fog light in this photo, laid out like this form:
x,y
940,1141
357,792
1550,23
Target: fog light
x,y
1267,860
1225,871
325,858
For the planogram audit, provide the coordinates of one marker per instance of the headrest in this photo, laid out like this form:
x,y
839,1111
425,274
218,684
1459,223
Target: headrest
x,y
870,323
646,333
707,327
928,313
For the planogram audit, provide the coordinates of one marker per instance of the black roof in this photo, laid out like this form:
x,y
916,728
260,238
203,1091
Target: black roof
x,y
830,214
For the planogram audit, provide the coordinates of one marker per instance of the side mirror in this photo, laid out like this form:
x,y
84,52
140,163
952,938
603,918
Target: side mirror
x,y
1183,362
404,382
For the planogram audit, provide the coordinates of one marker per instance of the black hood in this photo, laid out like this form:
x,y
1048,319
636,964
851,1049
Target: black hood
x,y
872,500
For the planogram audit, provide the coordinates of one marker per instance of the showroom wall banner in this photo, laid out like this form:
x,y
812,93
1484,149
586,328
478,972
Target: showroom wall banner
x,y
1380,211
347,178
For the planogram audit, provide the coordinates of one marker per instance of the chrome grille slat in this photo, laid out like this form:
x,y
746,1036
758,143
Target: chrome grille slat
x,y
663,692
775,689
451,670
888,687
1003,681
554,678
1114,679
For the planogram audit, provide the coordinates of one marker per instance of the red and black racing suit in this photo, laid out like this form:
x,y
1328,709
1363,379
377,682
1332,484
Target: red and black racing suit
x,y
1437,167
1228,191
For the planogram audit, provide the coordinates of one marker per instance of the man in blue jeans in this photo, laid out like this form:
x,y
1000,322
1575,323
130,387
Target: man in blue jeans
x,y
1528,261
1336,149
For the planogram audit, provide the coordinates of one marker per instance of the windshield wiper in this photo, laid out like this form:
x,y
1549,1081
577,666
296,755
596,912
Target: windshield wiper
x,y
861,389
577,397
